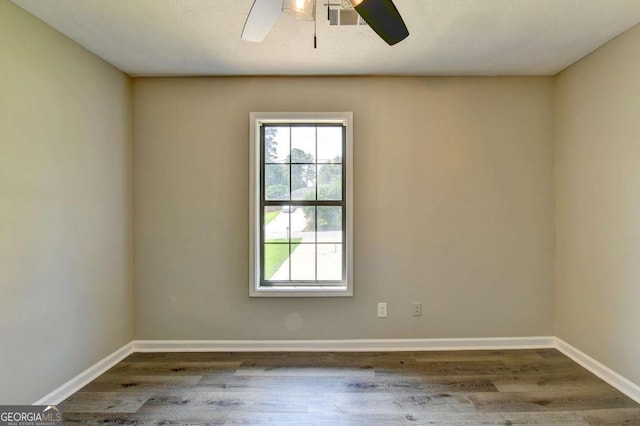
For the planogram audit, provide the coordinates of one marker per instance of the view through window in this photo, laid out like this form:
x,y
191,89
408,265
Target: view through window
x,y
302,203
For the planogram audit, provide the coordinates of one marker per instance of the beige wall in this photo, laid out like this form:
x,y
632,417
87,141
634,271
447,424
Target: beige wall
x,y
453,208
597,134
65,208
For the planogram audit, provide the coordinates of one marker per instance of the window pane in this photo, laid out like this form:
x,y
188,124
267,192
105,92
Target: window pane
x,y
303,144
302,239
276,144
329,182
303,224
303,262
276,262
329,224
276,182
330,262
276,224
303,181
329,144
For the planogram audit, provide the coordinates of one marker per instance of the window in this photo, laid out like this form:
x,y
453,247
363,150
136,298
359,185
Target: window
x,y
301,204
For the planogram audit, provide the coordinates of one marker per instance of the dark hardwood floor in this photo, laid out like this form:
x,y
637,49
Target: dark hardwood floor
x,y
540,387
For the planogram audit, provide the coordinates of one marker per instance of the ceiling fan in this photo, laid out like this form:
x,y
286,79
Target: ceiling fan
x,y
381,15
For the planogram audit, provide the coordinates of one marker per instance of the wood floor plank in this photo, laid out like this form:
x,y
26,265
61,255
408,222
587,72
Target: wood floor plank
x,y
104,402
520,355
319,419
226,402
305,372
531,383
564,418
550,401
386,403
619,416
502,419
447,368
163,379
186,419
156,368
143,383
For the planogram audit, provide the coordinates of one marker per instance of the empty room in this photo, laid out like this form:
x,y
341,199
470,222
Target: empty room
x,y
305,212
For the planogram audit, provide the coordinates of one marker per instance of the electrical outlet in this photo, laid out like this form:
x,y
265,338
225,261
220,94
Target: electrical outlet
x,y
417,309
382,310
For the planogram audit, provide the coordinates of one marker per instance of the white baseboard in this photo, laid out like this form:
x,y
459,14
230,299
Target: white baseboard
x,y
605,373
351,345
378,345
72,386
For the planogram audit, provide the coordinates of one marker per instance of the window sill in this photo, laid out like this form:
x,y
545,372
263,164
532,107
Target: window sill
x,y
302,291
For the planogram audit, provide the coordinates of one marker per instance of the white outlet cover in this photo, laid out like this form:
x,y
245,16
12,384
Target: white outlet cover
x,y
417,309
382,310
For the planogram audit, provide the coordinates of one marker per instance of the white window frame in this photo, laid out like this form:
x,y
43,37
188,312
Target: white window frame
x,y
256,119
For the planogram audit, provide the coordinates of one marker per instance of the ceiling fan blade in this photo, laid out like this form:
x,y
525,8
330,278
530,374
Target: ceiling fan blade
x,y
261,18
383,17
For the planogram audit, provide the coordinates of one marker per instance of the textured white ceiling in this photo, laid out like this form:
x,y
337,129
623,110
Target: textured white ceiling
x,y
448,37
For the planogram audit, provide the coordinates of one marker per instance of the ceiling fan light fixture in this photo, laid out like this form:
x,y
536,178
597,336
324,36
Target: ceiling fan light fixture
x,y
300,9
